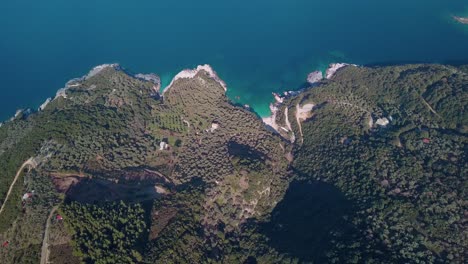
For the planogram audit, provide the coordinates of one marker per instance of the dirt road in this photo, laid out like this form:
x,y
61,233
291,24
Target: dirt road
x,y
45,242
302,113
32,164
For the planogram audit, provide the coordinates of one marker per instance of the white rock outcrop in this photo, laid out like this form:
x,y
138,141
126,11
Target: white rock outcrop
x,y
17,114
62,92
150,77
189,74
99,68
43,106
314,77
333,68
278,98
303,112
271,120
383,122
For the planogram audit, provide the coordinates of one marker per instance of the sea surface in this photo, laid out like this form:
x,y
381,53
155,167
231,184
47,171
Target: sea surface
x,y
256,46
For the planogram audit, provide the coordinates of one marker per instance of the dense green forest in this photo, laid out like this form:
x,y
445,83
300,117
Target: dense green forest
x,y
106,234
373,171
407,180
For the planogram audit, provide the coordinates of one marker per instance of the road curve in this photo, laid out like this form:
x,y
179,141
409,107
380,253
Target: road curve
x,y
30,162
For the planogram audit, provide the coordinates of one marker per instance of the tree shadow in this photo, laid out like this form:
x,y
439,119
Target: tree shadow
x,y
302,224
99,190
251,260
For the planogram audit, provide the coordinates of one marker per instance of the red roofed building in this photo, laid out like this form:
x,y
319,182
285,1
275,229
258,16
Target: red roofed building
x,y
5,244
426,141
59,218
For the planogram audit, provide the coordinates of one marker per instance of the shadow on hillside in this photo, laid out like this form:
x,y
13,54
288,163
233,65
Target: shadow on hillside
x,y
301,224
98,190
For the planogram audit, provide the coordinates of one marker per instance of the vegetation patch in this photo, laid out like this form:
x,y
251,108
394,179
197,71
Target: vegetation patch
x,y
108,233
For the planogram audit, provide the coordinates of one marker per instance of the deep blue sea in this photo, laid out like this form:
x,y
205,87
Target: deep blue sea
x,y
256,46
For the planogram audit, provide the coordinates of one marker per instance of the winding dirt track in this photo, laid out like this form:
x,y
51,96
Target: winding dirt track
x,y
45,242
430,107
32,164
301,115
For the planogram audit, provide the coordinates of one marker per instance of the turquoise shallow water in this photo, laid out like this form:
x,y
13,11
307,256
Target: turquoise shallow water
x,y
256,46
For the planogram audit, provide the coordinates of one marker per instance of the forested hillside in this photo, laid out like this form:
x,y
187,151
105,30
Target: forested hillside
x,y
393,141
368,166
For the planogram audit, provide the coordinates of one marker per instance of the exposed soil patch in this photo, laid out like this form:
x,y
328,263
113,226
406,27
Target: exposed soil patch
x,y
63,254
63,184
160,219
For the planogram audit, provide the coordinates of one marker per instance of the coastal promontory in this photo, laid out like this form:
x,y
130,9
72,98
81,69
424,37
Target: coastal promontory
x,y
366,165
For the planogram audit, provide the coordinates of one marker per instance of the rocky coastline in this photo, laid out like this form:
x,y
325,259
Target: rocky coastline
x,y
313,79
44,105
191,73
76,81
463,20
62,92
334,67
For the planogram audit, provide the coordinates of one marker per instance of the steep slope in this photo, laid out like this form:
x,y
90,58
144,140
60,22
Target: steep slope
x,y
109,136
368,165
393,141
